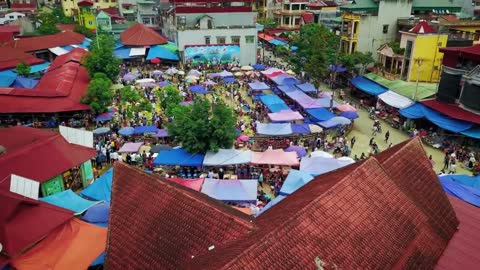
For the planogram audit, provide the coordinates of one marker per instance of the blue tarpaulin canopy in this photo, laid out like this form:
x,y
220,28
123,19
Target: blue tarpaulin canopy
x,y
466,180
272,203
179,157
258,67
274,129
69,200
414,111
320,114
418,110
145,129
161,52
101,188
229,80
300,128
337,68
199,89
231,190
122,53
285,79
258,86
287,88
277,42
98,213
295,180
39,67
368,86
307,87
274,103
126,131
7,77
473,132
320,165
23,82
463,192
328,124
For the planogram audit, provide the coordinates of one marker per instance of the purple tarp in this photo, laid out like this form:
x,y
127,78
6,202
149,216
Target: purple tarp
x,y
130,147
258,86
161,133
285,116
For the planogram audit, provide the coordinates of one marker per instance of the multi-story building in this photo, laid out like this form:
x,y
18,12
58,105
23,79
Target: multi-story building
x,y
290,14
323,12
213,31
23,6
422,60
70,7
367,24
142,11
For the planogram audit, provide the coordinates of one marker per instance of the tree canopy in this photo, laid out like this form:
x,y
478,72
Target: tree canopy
x,y
84,31
169,99
99,94
356,60
101,58
23,69
203,126
48,23
317,49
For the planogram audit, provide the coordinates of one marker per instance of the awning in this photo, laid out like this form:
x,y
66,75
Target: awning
x,y
178,157
58,51
275,157
368,86
452,110
39,67
258,86
274,129
122,53
436,118
307,87
295,180
285,116
101,189
277,42
225,157
274,103
414,111
231,190
320,114
395,100
137,51
159,51
473,132
69,200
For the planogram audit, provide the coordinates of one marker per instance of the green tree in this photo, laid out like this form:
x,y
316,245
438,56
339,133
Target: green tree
x,y
267,22
23,69
169,99
129,94
60,16
317,49
99,94
356,61
84,31
48,23
101,58
203,126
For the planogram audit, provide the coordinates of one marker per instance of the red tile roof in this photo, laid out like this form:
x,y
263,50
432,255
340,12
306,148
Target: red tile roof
x,y
59,90
24,7
24,221
307,17
6,37
140,35
156,224
75,55
39,43
111,11
462,250
10,58
452,110
422,28
359,217
66,27
38,154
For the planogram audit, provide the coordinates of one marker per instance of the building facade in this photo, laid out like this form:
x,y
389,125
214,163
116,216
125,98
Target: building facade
x,y
289,16
368,24
70,7
213,31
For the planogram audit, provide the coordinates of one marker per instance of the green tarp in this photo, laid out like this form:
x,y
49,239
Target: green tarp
x,y
406,89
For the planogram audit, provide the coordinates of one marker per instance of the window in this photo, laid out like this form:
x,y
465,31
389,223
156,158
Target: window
x,y
207,40
11,17
90,23
235,39
249,39
146,20
385,28
221,40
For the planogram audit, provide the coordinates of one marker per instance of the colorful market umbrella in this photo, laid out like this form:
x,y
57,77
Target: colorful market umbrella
x,y
243,138
209,83
129,77
126,131
181,72
346,108
101,130
235,69
301,152
171,71
340,120
290,72
322,154
155,61
238,74
246,68
194,72
157,72
191,77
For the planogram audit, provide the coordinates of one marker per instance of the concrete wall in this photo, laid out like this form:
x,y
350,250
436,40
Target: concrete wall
x,y
248,51
222,19
426,48
371,36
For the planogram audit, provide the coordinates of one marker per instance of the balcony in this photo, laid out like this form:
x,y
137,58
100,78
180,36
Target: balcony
x,y
288,12
350,17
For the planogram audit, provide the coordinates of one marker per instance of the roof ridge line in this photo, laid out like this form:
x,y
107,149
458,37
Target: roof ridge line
x,y
27,147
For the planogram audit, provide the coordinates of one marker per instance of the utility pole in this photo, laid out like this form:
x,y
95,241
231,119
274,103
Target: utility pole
x,y
419,62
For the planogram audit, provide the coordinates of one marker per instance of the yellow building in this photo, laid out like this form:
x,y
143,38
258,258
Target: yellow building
x,y
86,14
422,59
349,32
69,7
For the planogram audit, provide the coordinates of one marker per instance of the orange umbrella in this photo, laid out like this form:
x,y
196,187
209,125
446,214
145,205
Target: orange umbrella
x,y
346,108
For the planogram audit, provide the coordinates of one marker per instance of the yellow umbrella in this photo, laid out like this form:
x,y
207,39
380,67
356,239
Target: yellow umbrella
x,y
290,72
249,73
181,72
238,74
247,68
